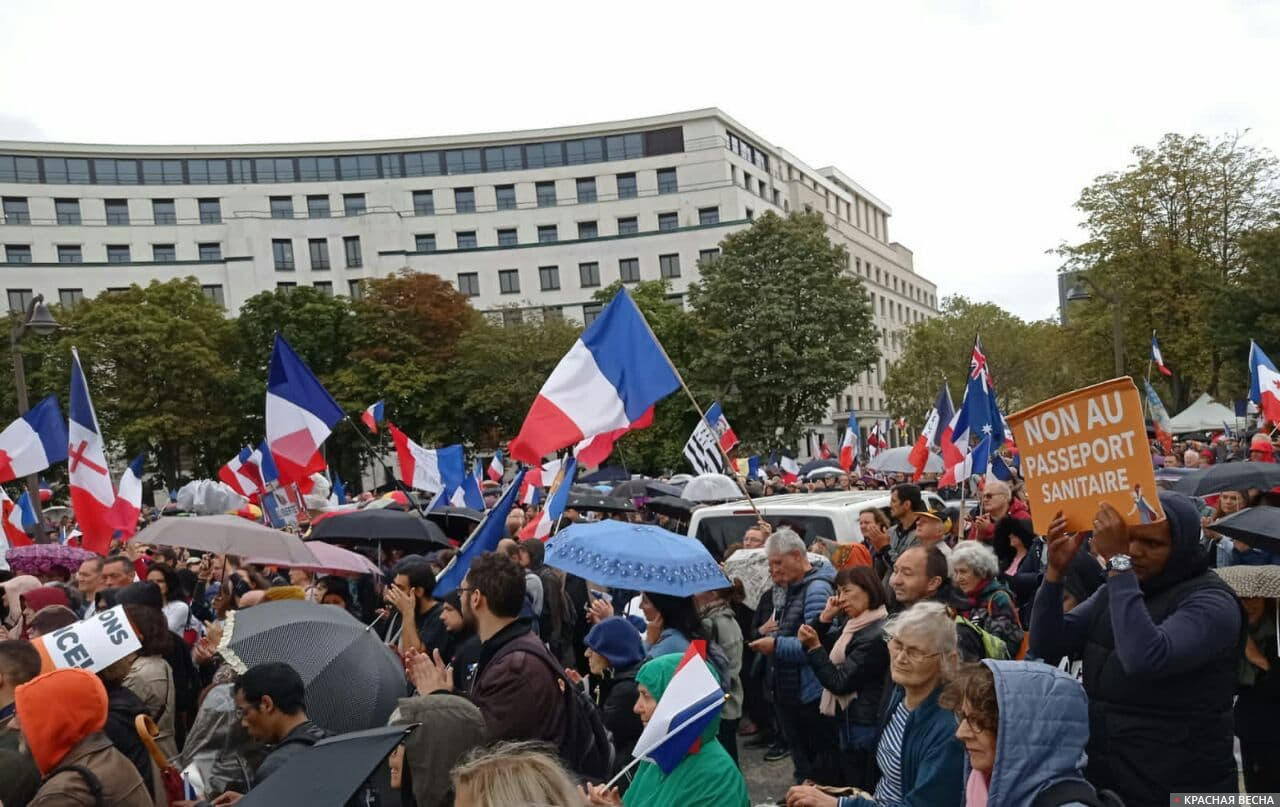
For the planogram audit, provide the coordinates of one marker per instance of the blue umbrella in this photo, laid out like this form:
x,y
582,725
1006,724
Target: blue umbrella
x,y
637,557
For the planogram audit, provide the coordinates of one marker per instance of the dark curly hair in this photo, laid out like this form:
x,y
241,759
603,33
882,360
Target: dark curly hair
x,y
975,685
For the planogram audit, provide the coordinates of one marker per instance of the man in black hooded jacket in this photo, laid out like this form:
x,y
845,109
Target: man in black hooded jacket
x,y
1161,643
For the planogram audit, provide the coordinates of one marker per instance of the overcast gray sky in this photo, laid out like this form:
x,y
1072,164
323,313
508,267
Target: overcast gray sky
x,y
978,122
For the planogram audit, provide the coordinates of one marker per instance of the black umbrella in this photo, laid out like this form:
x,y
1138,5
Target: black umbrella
x,y
396,529
1259,527
457,523
813,465
632,488
1229,476
609,473
331,771
671,506
655,488
587,502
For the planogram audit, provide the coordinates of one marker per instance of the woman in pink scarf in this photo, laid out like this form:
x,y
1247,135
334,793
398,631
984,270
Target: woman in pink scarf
x,y
847,651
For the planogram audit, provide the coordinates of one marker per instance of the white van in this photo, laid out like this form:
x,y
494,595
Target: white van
x,y
831,515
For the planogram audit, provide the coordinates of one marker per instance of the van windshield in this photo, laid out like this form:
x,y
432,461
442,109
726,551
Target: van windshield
x,y
719,532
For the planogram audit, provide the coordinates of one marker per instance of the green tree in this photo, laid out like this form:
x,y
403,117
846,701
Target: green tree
x,y
1251,297
783,327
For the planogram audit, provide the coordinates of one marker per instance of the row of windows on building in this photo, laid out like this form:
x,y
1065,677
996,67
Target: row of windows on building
x,y
317,253
17,210
239,171
211,251
20,299
588,274
891,281
550,233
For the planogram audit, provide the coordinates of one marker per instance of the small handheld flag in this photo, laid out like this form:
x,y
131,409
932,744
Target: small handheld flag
x,y
849,445
692,700
1264,383
1157,356
496,469
372,416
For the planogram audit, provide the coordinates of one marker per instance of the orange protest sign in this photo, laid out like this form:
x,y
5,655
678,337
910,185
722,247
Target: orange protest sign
x,y
1084,448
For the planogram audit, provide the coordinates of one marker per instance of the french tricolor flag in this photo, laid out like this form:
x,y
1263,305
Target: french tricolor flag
x,y
556,502
129,498
976,462
300,415
34,441
1157,356
14,522
241,473
496,469
690,702
433,470
790,469
609,380
469,493
936,433
93,497
372,416
849,445
1264,383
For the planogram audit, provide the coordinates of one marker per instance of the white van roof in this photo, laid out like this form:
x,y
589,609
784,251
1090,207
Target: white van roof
x,y
833,500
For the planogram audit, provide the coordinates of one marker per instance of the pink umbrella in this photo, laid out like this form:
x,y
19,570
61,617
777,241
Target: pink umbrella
x,y
329,558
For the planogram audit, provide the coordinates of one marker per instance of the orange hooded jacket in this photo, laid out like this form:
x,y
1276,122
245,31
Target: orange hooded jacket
x,y
57,710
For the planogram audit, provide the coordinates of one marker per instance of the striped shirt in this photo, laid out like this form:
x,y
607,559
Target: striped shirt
x,y
889,757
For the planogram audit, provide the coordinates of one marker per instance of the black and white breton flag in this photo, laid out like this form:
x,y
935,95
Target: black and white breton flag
x,y
703,450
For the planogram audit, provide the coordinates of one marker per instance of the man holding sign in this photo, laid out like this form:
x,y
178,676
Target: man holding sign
x,y
1160,641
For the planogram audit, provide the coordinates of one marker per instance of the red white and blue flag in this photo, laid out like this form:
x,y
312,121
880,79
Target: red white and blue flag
x,y
557,500
496,469
34,441
93,497
1264,383
1157,356
469,493
1160,421
824,450
484,538
691,701
433,470
242,474
849,445
790,469
129,498
720,425
936,432
975,463
608,381
14,520
875,441
372,416
300,415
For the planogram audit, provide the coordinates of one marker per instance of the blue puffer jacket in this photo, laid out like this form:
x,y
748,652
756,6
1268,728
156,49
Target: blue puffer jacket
x,y
794,681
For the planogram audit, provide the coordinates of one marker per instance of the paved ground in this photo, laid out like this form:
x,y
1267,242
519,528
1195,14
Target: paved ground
x,y
767,781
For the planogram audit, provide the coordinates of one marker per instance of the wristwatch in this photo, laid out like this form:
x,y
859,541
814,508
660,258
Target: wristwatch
x,y
1120,563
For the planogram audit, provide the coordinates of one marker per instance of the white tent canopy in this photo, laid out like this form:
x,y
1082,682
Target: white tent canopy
x,y
1205,415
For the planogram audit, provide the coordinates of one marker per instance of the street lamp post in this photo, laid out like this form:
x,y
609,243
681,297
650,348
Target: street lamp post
x,y
1079,293
39,321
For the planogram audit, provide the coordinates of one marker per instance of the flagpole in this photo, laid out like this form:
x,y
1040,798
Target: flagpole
x,y
400,485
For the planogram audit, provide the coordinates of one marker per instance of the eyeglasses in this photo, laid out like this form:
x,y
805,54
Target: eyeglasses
x,y
992,495
465,589
976,723
913,655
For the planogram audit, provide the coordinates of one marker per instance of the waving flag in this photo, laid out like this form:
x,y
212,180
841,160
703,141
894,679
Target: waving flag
x,y
1000,469
596,449
300,415
485,539
720,425
824,450
241,473
875,441
496,469
432,470
1157,356
1159,419
129,498
754,471
92,494
609,379
266,467
372,416
468,494
979,413
12,519
975,463
849,443
1264,383
935,431
691,701
790,469
557,499
338,491
34,441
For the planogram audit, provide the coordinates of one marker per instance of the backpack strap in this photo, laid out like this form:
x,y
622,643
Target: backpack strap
x,y
90,779
1066,791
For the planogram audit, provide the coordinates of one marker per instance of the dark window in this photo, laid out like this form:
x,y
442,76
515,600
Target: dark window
x,y
274,170
667,180
424,203
469,283
506,197
16,210
211,251
282,253
580,152
424,242
117,211
17,253
68,210
547,234
353,204
625,147
549,277
629,270
466,239
206,172
553,313
464,200
163,211
19,169
586,190
589,275
214,294
281,207
70,298
318,207
162,172
390,165
319,250
542,155
668,221
708,255
588,229
116,172
286,286
241,170
462,161
164,253
509,281
546,194
590,311
317,169
628,225
508,238
419,164
364,166
210,211
351,245
627,186
118,253
708,215
503,158
20,300
669,266
70,253
355,289
60,171
325,287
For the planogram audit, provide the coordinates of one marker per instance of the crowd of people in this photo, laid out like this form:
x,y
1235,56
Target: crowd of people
x,y
957,658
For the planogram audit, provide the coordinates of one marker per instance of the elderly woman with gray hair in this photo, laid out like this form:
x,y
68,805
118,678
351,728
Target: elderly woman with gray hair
x,y
975,572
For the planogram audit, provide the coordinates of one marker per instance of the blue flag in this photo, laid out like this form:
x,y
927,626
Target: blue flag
x,y
339,490
485,539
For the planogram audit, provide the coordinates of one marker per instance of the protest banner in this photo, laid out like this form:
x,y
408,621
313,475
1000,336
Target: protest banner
x,y
1084,448
91,644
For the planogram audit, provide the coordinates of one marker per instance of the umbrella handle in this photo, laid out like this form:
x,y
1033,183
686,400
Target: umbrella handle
x,y
147,732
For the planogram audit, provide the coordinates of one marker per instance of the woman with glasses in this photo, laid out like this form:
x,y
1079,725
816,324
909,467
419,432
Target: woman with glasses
x,y
919,759
1042,715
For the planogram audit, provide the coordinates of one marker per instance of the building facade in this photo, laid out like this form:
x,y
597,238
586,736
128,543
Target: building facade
x,y
527,223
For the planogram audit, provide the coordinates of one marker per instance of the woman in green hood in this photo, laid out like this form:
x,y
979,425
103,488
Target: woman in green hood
x,y
706,777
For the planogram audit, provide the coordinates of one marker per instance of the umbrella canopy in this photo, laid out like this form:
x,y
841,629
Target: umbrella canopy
x,y
825,473
609,473
751,566
226,534
329,772
631,489
352,678
1253,581
711,488
594,501
813,465
39,559
635,556
656,488
329,559
680,479
457,523
1258,527
396,528
671,506
1229,476
894,461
